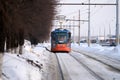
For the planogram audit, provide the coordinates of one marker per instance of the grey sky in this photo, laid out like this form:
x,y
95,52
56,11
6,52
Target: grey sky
x,y
101,16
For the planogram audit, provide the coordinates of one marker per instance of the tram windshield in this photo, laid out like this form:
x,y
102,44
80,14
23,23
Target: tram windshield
x,y
61,37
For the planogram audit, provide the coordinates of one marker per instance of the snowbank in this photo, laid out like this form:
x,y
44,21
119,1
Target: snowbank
x,y
113,52
28,66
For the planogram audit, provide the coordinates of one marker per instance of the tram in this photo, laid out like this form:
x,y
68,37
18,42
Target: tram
x,y
60,40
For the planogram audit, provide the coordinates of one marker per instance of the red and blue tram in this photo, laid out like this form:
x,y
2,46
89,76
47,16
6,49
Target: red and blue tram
x,y
61,40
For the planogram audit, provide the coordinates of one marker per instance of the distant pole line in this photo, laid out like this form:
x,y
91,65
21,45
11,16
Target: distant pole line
x,y
107,4
85,4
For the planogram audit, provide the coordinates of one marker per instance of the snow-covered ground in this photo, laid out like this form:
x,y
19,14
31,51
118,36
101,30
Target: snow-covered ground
x,y
113,52
32,64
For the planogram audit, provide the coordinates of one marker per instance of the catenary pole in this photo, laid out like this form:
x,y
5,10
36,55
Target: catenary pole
x,y
117,22
89,24
73,29
79,29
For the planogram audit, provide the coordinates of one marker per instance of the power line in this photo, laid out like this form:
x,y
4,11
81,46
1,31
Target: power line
x,y
84,4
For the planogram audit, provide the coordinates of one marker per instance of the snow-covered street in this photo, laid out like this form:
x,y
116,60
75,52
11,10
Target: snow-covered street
x,y
76,66
82,63
100,69
72,70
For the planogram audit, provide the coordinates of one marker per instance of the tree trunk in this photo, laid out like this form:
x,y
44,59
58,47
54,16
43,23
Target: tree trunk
x,y
20,49
1,61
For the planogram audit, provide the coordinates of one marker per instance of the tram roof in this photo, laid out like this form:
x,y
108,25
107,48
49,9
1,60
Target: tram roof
x,y
61,30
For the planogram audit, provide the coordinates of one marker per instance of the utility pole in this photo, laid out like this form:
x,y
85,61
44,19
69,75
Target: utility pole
x,y
79,29
109,31
99,34
70,25
104,34
89,24
73,29
117,22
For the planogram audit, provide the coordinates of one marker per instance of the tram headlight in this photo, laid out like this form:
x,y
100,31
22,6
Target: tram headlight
x,y
68,45
54,44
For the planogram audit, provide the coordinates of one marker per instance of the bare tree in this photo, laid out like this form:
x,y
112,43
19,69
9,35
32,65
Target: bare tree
x,y
20,18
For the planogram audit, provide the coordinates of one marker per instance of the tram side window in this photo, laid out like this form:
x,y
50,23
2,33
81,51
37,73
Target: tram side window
x,y
53,37
69,35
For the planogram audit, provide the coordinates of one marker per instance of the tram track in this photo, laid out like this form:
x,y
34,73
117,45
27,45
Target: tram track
x,y
59,66
60,70
64,71
85,67
104,71
67,63
88,69
104,60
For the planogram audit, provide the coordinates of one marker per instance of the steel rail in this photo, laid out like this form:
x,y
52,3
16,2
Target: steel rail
x,y
100,61
88,69
60,69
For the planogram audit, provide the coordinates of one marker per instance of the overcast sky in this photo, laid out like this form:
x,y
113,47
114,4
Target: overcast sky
x,y
102,17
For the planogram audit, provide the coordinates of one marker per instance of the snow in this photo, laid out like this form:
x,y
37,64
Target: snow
x,y
113,52
28,66
72,70
32,64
